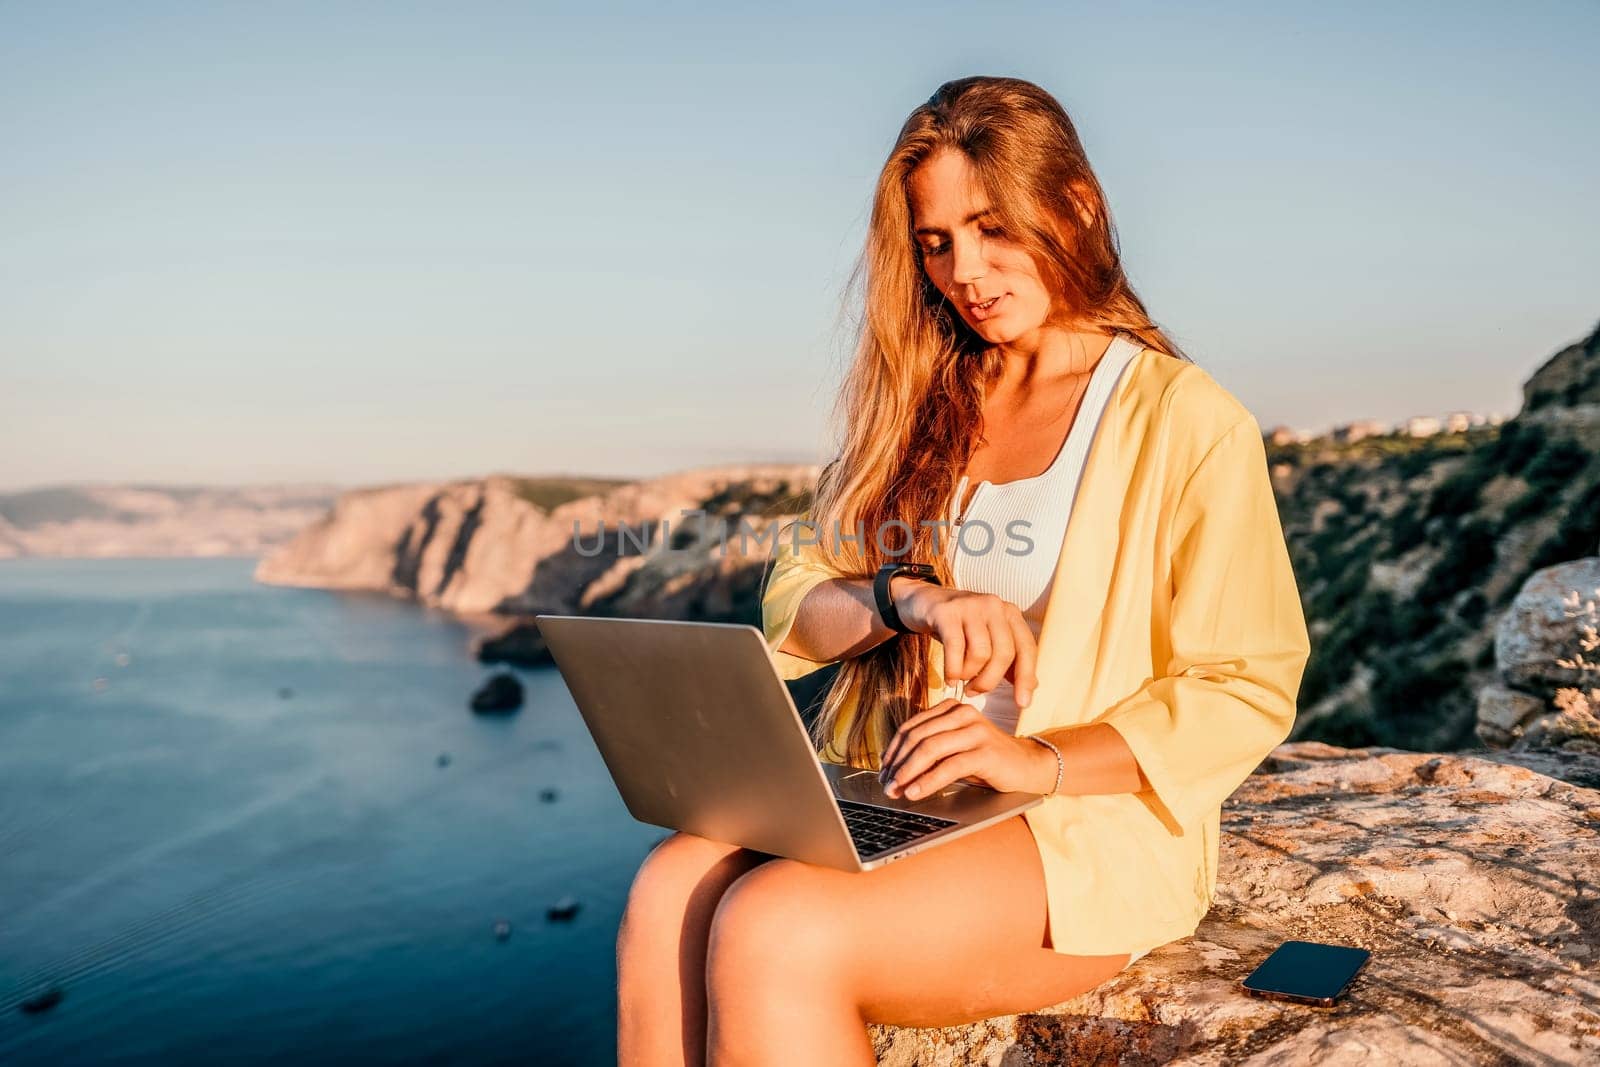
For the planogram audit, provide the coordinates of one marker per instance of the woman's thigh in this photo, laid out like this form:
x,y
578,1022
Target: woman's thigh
x,y
950,935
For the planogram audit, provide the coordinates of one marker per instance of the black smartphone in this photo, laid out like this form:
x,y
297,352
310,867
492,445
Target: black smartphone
x,y
1306,972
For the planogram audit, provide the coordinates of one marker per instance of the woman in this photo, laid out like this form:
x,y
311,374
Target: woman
x,y
1146,659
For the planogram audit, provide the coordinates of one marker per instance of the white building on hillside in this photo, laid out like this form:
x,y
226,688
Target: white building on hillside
x,y
1422,426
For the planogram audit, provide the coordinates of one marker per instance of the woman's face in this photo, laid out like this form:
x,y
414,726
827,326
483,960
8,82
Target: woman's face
x,y
967,258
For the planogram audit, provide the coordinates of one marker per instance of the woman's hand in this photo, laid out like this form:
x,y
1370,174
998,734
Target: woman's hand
x,y
951,740
986,639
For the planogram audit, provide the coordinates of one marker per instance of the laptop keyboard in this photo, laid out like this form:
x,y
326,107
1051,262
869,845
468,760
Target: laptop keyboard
x,y
876,830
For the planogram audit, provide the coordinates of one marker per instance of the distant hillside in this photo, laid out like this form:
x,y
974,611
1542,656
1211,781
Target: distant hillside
x,y
1408,551
154,520
167,520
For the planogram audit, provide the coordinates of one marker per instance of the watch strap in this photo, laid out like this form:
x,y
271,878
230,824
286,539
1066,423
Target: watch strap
x,y
880,589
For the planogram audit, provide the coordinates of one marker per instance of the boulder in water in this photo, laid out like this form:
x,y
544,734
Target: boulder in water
x,y
562,910
43,1002
501,693
522,645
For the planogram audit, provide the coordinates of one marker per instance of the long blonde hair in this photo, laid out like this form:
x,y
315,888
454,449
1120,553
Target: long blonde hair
x,y
911,402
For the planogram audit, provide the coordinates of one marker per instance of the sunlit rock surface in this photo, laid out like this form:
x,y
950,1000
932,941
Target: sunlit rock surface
x,y
1470,878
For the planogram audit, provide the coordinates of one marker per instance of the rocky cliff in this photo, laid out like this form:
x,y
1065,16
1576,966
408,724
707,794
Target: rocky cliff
x,y
1470,879
517,547
1569,381
1409,552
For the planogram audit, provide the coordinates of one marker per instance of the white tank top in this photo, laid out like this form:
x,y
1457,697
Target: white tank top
x,y
990,551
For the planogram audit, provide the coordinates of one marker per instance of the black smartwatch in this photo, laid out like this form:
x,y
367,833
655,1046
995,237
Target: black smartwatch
x,y
880,589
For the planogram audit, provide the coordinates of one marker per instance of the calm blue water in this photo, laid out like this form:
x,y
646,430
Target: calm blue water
x,y
213,872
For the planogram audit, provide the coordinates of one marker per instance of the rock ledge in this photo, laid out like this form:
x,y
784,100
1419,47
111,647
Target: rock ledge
x,y
1470,879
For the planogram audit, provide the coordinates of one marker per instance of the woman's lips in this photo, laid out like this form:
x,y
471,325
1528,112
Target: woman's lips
x,y
989,311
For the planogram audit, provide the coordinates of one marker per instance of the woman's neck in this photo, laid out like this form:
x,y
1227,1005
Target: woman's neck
x,y
1049,354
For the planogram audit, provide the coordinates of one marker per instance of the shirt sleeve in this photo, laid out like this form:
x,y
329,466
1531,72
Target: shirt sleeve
x,y
795,572
1237,640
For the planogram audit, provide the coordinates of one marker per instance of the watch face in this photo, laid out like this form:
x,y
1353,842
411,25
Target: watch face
x,y
916,570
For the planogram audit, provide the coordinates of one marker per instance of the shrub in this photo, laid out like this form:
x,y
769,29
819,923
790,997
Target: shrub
x,y
1330,663
1408,530
1414,621
1346,584
1347,725
1516,446
1470,552
1555,465
1576,536
1457,494
1407,700
1472,607
1410,464
1367,624
1532,502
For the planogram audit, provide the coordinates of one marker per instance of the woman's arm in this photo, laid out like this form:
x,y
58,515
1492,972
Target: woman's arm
x,y
1094,759
1236,640
813,616
838,618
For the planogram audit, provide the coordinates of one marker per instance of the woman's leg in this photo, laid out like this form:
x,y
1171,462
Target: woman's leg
x,y
661,948
802,957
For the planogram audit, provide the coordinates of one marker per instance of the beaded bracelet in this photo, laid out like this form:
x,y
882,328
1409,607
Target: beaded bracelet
x,y
1060,764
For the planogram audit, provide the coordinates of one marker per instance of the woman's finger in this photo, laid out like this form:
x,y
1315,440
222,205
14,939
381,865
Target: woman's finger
x,y
954,714
953,640
933,744
918,727
941,773
979,647
1001,641
1024,680
897,742
922,753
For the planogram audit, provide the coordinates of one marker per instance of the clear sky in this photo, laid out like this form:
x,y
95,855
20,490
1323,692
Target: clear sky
x,y
352,243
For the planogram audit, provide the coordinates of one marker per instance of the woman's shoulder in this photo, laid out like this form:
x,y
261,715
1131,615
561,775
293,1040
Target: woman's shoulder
x,y
1188,401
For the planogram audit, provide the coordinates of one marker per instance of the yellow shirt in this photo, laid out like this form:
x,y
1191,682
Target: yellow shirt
x,y
1174,617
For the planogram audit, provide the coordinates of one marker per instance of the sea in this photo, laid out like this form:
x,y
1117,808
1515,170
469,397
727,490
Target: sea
x,y
247,824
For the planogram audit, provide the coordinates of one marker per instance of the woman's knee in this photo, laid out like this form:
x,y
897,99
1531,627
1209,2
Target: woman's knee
x,y
775,918
680,881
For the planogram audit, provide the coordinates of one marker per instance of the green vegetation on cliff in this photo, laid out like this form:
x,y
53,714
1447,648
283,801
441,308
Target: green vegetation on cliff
x,y
1409,549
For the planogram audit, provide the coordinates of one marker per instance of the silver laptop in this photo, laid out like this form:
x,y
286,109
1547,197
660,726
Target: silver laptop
x,y
700,735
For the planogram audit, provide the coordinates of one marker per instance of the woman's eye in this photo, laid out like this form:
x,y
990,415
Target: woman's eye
x,y
939,250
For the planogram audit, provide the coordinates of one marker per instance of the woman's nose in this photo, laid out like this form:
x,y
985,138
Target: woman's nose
x,y
968,265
